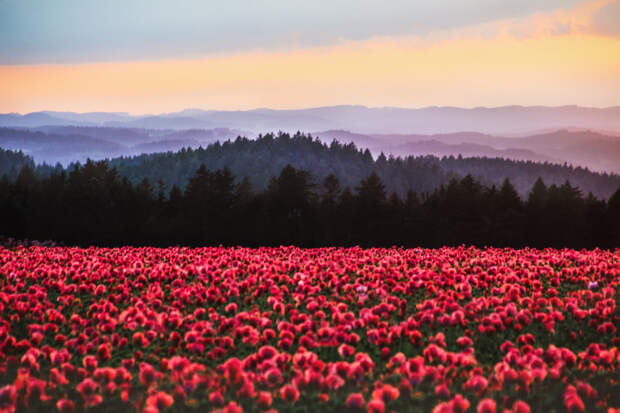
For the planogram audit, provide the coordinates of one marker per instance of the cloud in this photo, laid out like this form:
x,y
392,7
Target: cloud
x,y
596,17
555,70
69,31
606,20
551,58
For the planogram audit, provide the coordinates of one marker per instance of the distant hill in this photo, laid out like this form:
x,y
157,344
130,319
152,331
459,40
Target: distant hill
x,y
426,161
54,148
70,143
465,149
170,145
66,144
31,120
593,150
262,158
360,119
122,136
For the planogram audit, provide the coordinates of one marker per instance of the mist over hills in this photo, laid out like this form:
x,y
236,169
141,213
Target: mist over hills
x,y
66,144
578,136
596,151
259,160
430,120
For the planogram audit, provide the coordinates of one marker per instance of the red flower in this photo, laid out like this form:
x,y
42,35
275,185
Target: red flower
x,y
486,406
390,393
442,391
161,400
36,390
477,384
355,401
573,402
520,407
65,405
147,374
464,342
264,399
90,363
375,406
246,390
8,397
103,352
345,350
273,376
163,310
88,389
216,398
289,393
459,403
267,352
231,407
443,408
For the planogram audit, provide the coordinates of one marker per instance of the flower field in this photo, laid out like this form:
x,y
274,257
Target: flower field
x,y
309,330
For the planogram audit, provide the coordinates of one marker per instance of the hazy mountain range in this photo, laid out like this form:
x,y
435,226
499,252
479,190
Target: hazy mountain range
x,y
588,137
598,152
431,120
66,144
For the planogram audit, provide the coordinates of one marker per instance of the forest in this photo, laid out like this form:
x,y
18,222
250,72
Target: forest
x,y
262,158
93,204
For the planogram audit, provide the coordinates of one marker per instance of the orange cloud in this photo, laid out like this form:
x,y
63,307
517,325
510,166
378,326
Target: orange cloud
x,y
550,59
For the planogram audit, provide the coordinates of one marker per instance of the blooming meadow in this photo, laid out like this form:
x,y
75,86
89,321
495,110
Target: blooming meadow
x,y
305,330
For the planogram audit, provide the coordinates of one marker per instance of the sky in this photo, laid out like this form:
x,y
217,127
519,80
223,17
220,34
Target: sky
x,y
153,56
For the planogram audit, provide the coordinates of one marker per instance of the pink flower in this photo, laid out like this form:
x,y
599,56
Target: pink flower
x,y
8,397
486,406
289,393
88,389
520,406
387,393
459,404
264,399
65,405
376,406
160,400
355,401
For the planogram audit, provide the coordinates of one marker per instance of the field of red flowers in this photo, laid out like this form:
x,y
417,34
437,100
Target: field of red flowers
x,y
307,330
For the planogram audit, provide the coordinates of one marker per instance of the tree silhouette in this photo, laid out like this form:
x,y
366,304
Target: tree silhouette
x,y
93,204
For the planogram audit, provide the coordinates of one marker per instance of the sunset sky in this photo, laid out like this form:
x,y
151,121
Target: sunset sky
x,y
151,56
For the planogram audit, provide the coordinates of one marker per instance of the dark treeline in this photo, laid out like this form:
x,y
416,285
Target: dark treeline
x,y
94,205
11,162
262,158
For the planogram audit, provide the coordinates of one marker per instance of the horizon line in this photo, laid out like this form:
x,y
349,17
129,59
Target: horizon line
x,y
51,111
